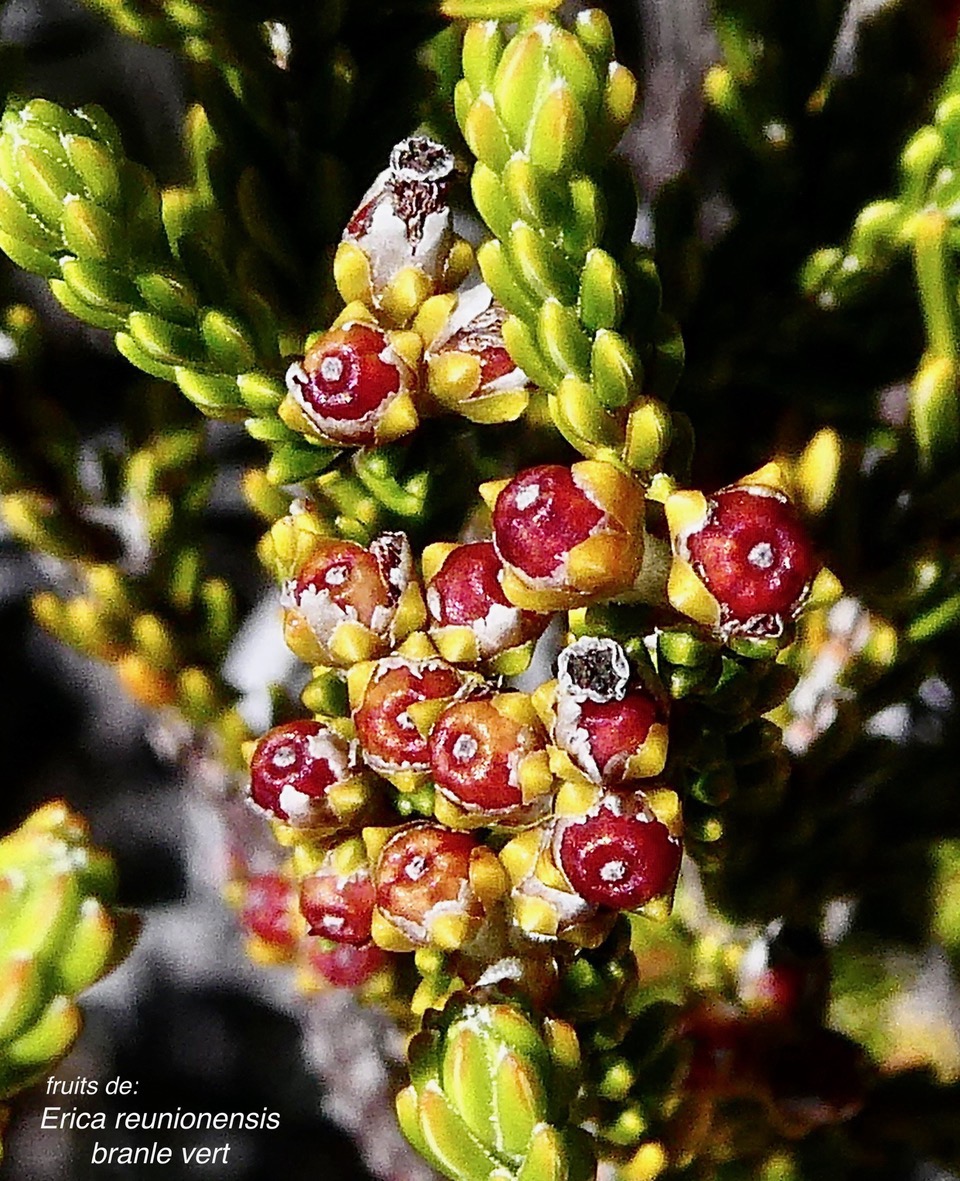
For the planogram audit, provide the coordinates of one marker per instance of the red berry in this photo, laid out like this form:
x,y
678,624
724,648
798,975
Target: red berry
x,y
785,975
755,557
817,1078
269,909
601,736
617,728
341,583
349,576
467,585
388,735
474,752
338,909
346,966
619,861
466,592
420,868
539,517
722,1049
292,768
482,337
346,381
495,362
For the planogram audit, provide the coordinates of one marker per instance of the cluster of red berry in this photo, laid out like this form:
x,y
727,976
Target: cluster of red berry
x,y
769,1050
541,815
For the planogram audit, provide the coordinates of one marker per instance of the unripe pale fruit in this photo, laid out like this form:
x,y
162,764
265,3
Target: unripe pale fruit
x,y
388,736
348,602
474,755
421,868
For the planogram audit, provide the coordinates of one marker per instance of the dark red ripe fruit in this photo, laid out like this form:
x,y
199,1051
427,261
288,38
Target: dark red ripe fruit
x,y
721,1049
336,909
347,376
539,517
794,981
468,584
473,753
619,861
495,362
283,759
817,1078
269,908
420,867
346,966
482,337
387,734
617,728
754,555
349,574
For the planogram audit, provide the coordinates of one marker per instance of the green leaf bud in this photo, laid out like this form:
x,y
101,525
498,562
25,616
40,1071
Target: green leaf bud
x,y
485,134
488,1092
171,344
483,44
562,339
522,344
559,131
602,292
98,285
17,221
57,936
155,641
615,370
532,198
292,462
168,295
229,346
260,393
542,267
96,168
503,280
619,100
91,232
917,162
490,198
129,348
73,303
935,410
651,430
520,76
574,65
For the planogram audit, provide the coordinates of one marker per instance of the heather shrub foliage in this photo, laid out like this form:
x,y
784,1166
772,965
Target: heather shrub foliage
x,y
599,417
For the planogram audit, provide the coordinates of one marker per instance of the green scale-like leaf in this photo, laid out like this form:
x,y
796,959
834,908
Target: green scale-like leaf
x,y
75,210
57,936
487,1097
